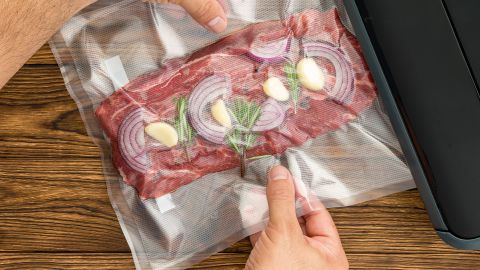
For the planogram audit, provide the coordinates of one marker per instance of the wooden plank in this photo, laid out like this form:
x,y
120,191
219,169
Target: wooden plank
x,y
43,56
99,261
10,261
224,261
59,206
54,206
40,119
424,260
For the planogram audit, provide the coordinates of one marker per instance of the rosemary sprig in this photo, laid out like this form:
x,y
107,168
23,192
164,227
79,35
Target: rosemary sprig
x,y
292,78
184,130
246,115
234,139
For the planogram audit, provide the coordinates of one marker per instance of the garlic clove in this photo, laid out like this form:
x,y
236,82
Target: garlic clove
x,y
310,75
163,132
274,88
220,113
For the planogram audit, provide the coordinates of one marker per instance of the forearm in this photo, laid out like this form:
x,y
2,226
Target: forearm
x,y
26,25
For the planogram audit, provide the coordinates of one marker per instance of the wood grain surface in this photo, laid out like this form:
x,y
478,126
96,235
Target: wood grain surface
x,y
55,212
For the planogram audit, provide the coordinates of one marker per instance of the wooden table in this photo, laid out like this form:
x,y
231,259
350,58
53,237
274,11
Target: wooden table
x,y
55,212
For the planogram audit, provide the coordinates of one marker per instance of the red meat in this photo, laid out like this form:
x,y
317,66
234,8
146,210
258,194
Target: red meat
x,y
157,170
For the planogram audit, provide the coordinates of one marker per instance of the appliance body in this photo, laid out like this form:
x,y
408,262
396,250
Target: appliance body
x,y
425,58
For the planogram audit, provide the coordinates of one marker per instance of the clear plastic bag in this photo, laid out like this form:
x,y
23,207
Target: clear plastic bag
x,y
130,64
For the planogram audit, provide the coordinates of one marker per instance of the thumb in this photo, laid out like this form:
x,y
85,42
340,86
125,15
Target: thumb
x,y
208,13
281,197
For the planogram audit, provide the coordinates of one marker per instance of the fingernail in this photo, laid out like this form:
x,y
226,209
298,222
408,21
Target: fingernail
x,y
217,24
278,173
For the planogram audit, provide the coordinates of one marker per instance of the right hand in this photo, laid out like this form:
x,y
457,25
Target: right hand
x,y
208,13
288,243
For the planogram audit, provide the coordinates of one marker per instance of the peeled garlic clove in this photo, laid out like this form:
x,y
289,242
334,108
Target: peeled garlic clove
x,y
275,89
310,75
163,132
220,114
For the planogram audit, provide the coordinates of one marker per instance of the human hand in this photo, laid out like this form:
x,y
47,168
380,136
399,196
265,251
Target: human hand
x,y
208,13
310,242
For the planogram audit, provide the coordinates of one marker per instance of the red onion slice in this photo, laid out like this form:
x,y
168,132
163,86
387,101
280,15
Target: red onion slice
x,y
343,89
207,91
131,140
273,52
273,115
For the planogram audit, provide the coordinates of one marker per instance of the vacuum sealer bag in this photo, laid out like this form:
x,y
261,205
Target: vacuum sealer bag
x,y
189,122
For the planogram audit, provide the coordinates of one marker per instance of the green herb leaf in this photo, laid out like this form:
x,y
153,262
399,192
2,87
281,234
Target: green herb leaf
x,y
234,139
246,115
259,157
292,78
184,130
